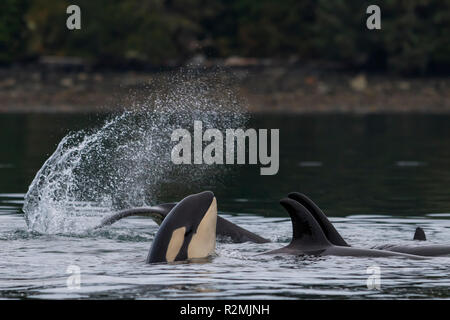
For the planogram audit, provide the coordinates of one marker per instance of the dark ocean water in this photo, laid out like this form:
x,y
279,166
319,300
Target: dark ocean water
x,y
377,177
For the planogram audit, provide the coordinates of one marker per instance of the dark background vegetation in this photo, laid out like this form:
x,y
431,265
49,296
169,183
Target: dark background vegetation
x,y
116,33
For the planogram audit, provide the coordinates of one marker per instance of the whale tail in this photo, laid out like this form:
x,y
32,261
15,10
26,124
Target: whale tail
x,y
306,231
157,213
328,229
419,234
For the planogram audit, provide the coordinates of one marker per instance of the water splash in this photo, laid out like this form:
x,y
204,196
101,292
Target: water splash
x,y
126,162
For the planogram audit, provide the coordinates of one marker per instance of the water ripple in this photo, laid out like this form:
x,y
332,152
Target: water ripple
x,y
112,264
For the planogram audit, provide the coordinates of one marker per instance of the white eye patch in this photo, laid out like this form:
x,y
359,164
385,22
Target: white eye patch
x,y
203,242
176,241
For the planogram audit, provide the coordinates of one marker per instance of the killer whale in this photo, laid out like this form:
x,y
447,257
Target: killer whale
x,y
224,227
157,213
336,239
238,234
419,234
328,229
188,231
308,238
431,250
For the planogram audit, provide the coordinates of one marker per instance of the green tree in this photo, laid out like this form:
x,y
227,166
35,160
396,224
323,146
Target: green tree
x,y
114,30
413,38
414,35
263,28
12,29
341,33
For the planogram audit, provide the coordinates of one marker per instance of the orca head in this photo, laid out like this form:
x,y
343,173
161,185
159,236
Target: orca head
x,y
188,231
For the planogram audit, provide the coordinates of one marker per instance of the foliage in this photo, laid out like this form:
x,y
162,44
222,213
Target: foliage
x,y
12,29
414,35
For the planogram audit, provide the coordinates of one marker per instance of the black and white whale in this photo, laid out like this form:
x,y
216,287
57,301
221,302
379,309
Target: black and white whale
x,y
158,213
336,239
309,238
188,231
232,231
419,234
430,250
238,234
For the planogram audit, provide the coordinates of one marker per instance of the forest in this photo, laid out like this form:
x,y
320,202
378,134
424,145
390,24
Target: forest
x,y
414,38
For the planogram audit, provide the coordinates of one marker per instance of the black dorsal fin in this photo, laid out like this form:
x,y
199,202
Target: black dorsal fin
x,y
305,229
419,234
328,229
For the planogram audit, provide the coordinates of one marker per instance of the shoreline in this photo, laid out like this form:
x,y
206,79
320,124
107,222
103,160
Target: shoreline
x,y
271,90
75,110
